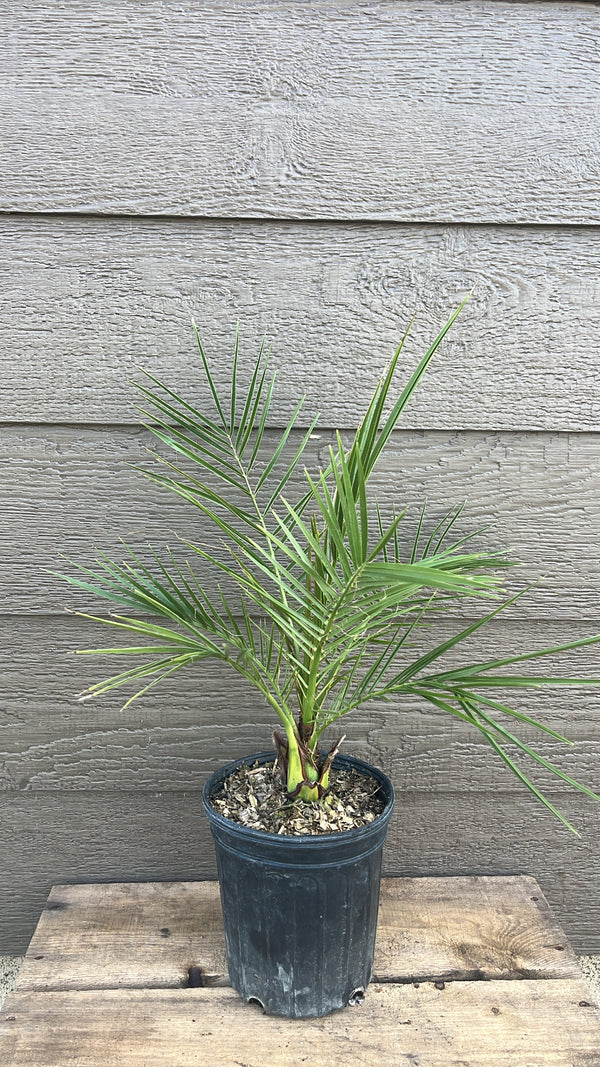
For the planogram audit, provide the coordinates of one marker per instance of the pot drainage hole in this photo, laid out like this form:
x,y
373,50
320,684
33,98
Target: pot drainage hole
x,y
357,996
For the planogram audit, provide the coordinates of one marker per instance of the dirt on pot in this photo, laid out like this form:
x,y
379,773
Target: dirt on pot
x,y
255,797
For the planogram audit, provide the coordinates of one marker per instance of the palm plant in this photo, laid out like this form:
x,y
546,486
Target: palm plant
x,y
325,597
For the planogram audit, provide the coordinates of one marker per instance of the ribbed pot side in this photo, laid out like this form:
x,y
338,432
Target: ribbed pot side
x,y
300,913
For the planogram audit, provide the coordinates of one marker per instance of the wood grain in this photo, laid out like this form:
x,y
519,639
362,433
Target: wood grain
x,y
162,112
133,936
545,61
460,929
146,936
464,1024
73,491
80,835
85,301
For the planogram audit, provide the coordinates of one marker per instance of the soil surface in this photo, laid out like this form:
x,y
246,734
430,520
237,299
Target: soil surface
x,y
255,797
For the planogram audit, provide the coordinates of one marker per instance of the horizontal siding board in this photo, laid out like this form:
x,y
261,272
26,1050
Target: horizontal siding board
x,y
86,301
340,161
72,491
49,838
185,728
212,113
294,50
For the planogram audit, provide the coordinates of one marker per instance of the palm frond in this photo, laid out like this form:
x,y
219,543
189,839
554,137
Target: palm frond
x,y
318,596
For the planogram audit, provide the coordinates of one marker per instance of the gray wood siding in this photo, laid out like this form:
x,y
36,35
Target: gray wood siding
x,y
85,300
317,171
394,111
184,729
75,490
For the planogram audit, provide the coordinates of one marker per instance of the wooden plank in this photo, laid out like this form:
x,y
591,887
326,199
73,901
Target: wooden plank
x,y
73,491
77,835
462,1024
475,111
197,720
469,928
333,301
130,935
148,935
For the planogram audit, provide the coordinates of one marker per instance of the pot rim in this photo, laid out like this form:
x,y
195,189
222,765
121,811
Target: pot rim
x,y
296,840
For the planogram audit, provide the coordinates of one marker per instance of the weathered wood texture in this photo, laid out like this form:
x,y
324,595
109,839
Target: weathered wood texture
x,y
82,835
86,300
147,935
102,984
486,111
74,491
465,1024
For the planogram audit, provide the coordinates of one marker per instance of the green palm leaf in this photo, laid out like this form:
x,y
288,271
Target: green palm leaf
x,y
318,601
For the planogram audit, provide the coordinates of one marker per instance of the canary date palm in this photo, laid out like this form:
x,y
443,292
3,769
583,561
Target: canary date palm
x,y
322,595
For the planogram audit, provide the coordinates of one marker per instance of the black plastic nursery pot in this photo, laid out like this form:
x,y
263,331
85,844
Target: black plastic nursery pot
x,y
300,913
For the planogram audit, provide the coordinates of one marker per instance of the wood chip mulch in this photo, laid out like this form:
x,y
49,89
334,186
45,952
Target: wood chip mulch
x,y
255,797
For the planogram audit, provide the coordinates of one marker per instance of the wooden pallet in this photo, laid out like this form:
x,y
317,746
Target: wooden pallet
x,y
471,971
